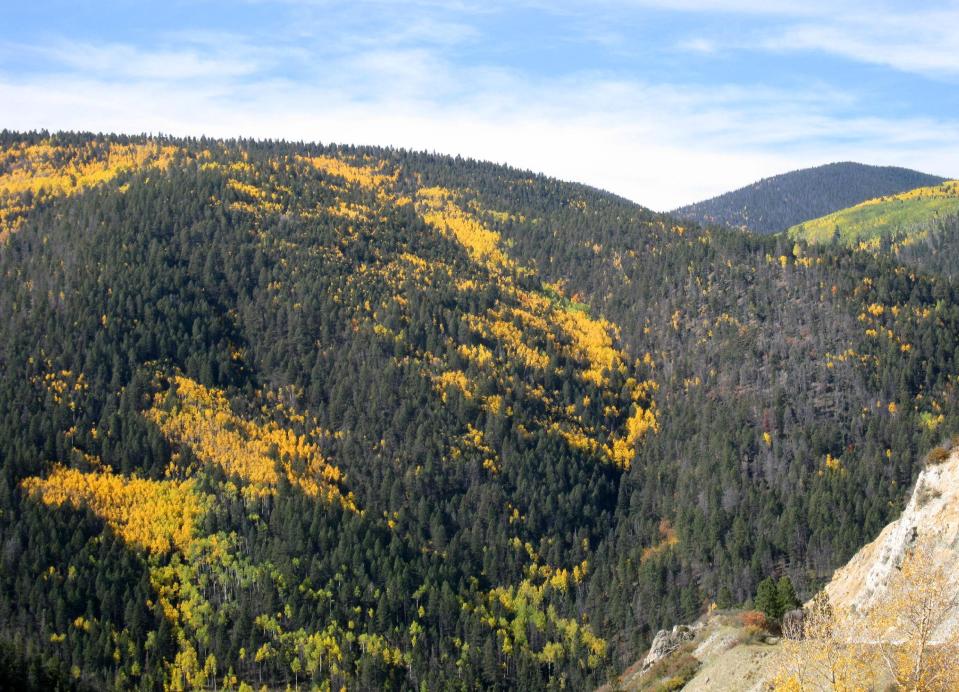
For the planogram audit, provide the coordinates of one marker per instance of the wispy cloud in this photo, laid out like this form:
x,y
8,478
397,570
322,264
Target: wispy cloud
x,y
400,79
921,40
659,144
118,61
918,37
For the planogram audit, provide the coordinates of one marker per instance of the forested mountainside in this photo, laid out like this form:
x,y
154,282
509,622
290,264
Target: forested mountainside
x,y
279,413
905,218
775,204
935,250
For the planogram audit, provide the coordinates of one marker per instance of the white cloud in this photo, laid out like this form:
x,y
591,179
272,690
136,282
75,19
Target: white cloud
x,y
189,57
657,144
915,37
698,45
660,144
922,40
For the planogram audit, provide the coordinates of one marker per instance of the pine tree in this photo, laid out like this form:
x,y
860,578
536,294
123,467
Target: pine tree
x,y
786,595
725,598
767,599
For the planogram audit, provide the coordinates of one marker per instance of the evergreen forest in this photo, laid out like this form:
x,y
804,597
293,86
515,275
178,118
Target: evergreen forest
x,y
281,414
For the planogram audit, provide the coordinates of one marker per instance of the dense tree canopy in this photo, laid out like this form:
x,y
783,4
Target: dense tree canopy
x,y
282,413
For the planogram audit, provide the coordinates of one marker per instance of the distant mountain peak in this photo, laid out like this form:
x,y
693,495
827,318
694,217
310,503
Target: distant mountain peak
x,y
774,204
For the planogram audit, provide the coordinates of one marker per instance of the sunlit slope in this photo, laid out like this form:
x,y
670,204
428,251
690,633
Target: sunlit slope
x,y
909,214
38,170
311,401
293,414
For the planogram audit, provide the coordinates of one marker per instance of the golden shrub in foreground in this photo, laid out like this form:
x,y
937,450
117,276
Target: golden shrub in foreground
x,y
896,641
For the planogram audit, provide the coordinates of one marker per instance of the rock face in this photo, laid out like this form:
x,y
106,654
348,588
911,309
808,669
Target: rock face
x,y
932,512
666,642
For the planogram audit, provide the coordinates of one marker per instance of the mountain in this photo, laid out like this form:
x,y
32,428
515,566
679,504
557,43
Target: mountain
x,y
774,204
906,218
281,414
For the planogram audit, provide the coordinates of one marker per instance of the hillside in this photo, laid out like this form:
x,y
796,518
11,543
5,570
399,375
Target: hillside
x,y
910,567
930,516
904,218
782,201
280,413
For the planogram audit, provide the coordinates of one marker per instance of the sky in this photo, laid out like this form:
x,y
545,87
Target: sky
x,y
664,102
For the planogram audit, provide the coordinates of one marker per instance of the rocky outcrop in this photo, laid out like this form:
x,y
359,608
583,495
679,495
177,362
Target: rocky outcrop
x,y
733,661
933,514
667,642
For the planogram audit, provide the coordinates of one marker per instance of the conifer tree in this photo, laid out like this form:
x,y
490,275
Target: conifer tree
x,y
786,595
767,599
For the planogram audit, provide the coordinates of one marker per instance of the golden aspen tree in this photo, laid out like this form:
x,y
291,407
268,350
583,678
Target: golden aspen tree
x,y
823,651
914,624
907,637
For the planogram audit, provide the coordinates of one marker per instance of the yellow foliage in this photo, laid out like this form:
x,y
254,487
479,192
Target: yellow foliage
x,y
576,438
675,319
906,637
154,515
453,378
473,440
49,169
499,216
351,210
920,601
824,653
592,341
437,208
493,327
833,463
494,404
63,385
478,354
256,452
518,610
931,421
368,177
247,189
641,422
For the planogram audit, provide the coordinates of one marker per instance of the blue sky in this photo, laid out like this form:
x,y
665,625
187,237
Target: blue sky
x,y
662,101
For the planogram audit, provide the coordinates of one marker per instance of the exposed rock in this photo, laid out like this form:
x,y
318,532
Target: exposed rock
x,y
667,642
715,643
932,512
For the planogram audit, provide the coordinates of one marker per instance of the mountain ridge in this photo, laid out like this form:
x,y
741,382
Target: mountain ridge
x,y
903,219
776,203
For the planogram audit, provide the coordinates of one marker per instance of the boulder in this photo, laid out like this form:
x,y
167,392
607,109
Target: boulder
x,y
667,642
